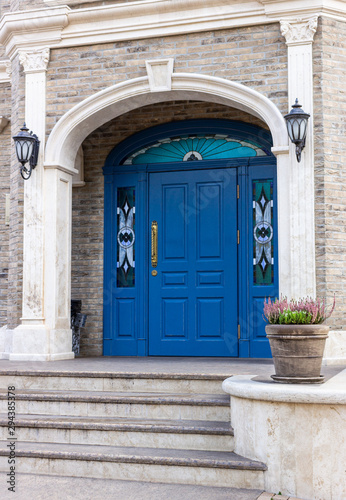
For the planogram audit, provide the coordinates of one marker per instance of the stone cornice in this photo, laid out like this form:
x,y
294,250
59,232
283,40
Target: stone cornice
x,y
299,31
34,61
278,9
60,26
32,28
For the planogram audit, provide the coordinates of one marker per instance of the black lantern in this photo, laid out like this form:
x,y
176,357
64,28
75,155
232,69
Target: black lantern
x,y
27,146
297,125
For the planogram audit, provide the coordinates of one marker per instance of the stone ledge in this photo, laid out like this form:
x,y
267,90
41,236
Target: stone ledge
x,y
245,386
115,397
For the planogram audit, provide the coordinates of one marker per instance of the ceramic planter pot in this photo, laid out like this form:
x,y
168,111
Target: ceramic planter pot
x,y
297,352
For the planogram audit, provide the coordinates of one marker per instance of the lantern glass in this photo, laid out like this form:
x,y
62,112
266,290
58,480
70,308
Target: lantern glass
x,y
303,128
24,148
296,130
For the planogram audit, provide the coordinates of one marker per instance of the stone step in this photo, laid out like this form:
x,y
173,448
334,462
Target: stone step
x,y
173,383
114,404
206,468
174,434
36,486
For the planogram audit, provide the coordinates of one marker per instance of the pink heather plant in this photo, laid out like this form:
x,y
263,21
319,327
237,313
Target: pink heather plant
x,y
303,311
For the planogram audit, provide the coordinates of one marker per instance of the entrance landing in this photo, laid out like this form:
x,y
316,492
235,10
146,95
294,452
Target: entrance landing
x,y
216,367
219,368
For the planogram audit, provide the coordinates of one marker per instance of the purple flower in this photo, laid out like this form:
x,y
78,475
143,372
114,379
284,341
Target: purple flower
x,y
302,311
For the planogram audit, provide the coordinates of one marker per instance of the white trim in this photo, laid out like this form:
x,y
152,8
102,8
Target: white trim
x,y
277,9
91,113
5,76
61,26
160,74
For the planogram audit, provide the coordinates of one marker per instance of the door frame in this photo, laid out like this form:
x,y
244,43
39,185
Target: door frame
x,y
113,170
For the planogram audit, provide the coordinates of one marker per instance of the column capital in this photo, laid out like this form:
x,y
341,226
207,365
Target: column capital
x,y
34,61
299,31
8,66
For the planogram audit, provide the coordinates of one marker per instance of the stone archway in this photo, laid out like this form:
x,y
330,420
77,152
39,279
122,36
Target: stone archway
x,y
82,119
49,338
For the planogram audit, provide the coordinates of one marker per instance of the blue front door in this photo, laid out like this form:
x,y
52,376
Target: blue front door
x,y
193,309
190,240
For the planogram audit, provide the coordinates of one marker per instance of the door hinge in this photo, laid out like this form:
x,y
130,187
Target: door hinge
x,y
238,192
238,236
238,332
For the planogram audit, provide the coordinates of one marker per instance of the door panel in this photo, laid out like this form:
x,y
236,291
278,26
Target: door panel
x,y
123,268
263,254
193,298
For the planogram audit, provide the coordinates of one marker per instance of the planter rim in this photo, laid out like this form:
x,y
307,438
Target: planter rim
x,y
319,329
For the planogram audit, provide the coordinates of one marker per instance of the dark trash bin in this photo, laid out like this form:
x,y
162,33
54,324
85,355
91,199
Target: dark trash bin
x,y
77,322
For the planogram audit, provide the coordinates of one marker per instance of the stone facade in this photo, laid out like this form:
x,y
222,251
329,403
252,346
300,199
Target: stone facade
x,y
254,55
5,105
330,167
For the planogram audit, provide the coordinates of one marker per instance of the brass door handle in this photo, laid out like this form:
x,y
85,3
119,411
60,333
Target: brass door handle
x,y
154,243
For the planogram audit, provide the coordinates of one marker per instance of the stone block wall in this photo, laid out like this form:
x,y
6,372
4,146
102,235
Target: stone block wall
x,y
15,267
5,164
330,171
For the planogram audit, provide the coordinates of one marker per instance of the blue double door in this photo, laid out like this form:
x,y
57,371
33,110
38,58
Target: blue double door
x,y
193,299
182,249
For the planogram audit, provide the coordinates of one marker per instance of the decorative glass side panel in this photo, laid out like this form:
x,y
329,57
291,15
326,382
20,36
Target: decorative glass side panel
x,y
126,211
263,243
194,148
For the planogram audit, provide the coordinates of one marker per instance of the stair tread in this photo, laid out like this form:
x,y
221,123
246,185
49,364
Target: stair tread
x,y
114,375
74,488
120,423
120,397
158,456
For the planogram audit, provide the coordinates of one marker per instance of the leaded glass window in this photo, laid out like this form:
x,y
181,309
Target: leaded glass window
x,y
263,243
126,213
194,148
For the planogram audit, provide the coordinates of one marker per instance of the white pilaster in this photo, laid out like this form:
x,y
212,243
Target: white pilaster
x,y
35,66
284,229
299,35
35,339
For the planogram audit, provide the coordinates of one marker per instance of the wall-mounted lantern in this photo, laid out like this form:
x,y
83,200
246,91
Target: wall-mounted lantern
x,y
27,146
297,126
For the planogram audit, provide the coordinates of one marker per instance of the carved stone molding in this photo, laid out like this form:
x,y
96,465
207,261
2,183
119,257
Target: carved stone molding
x,y
35,61
299,31
5,73
160,74
9,68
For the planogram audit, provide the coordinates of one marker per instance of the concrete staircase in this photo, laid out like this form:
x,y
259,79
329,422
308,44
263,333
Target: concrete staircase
x,y
157,427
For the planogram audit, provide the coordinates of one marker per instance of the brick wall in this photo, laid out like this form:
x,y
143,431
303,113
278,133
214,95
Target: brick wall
x,y
87,207
27,5
15,270
4,7
255,56
330,174
5,160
